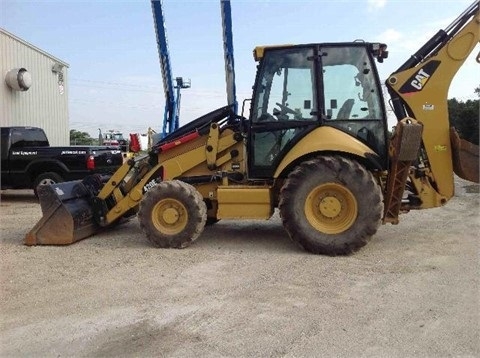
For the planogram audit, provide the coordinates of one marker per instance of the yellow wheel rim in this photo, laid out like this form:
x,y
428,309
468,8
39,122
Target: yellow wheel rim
x,y
331,208
169,216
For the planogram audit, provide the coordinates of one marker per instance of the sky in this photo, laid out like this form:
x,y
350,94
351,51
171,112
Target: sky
x,y
114,76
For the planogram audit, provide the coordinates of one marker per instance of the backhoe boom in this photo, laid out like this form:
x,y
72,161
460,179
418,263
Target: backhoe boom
x,y
419,89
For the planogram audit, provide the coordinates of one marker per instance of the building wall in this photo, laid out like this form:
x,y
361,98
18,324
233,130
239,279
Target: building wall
x,y
45,103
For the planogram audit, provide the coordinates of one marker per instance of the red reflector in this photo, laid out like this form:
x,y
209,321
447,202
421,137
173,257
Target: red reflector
x,y
91,162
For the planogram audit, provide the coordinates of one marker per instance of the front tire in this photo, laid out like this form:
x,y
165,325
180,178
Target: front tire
x,y
172,214
331,205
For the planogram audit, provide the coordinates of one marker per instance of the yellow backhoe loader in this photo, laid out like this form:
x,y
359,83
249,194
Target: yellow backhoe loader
x,y
315,146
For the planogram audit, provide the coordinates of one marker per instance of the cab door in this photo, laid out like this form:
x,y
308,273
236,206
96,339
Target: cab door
x,y
284,107
352,95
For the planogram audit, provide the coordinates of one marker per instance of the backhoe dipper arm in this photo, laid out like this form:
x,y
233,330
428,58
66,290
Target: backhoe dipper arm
x,y
419,89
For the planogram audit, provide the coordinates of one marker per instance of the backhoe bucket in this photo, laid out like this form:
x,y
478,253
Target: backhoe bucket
x,y
465,157
67,215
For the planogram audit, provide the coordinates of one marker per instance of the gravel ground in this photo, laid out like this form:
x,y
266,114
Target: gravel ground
x,y
244,290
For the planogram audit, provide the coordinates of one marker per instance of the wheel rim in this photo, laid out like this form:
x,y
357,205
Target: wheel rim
x,y
331,208
169,216
47,181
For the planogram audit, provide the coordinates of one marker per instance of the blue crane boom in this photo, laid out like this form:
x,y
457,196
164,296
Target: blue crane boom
x,y
228,53
171,119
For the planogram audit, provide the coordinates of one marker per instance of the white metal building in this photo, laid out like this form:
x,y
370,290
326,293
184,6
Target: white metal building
x,y
33,88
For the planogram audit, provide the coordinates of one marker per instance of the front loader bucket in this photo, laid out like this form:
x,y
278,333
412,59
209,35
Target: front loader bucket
x,y
465,157
67,215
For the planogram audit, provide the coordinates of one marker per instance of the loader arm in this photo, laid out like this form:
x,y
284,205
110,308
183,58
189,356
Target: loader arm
x,y
129,184
419,89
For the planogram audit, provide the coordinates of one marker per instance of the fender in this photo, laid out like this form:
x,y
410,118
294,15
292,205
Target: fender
x,y
325,139
46,165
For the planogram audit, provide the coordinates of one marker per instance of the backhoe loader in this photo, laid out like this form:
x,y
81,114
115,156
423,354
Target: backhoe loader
x,y
315,145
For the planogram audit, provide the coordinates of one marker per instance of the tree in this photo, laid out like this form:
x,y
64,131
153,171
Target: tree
x,y
464,116
81,138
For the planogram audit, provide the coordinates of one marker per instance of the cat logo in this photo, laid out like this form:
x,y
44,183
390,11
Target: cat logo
x,y
419,79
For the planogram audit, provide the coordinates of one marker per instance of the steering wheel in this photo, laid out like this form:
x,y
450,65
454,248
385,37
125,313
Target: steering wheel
x,y
286,109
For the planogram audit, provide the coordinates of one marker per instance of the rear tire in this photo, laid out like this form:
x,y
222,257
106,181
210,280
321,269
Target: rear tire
x,y
331,205
47,178
172,214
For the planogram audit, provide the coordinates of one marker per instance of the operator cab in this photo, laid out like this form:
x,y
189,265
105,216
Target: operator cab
x,y
300,88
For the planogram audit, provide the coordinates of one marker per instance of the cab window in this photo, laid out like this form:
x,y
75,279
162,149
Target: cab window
x,y
350,88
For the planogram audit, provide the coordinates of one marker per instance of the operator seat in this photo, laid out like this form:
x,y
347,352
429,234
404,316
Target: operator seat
x,y
346,109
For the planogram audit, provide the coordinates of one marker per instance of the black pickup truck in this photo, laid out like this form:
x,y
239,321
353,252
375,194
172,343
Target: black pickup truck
x,y
29,161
